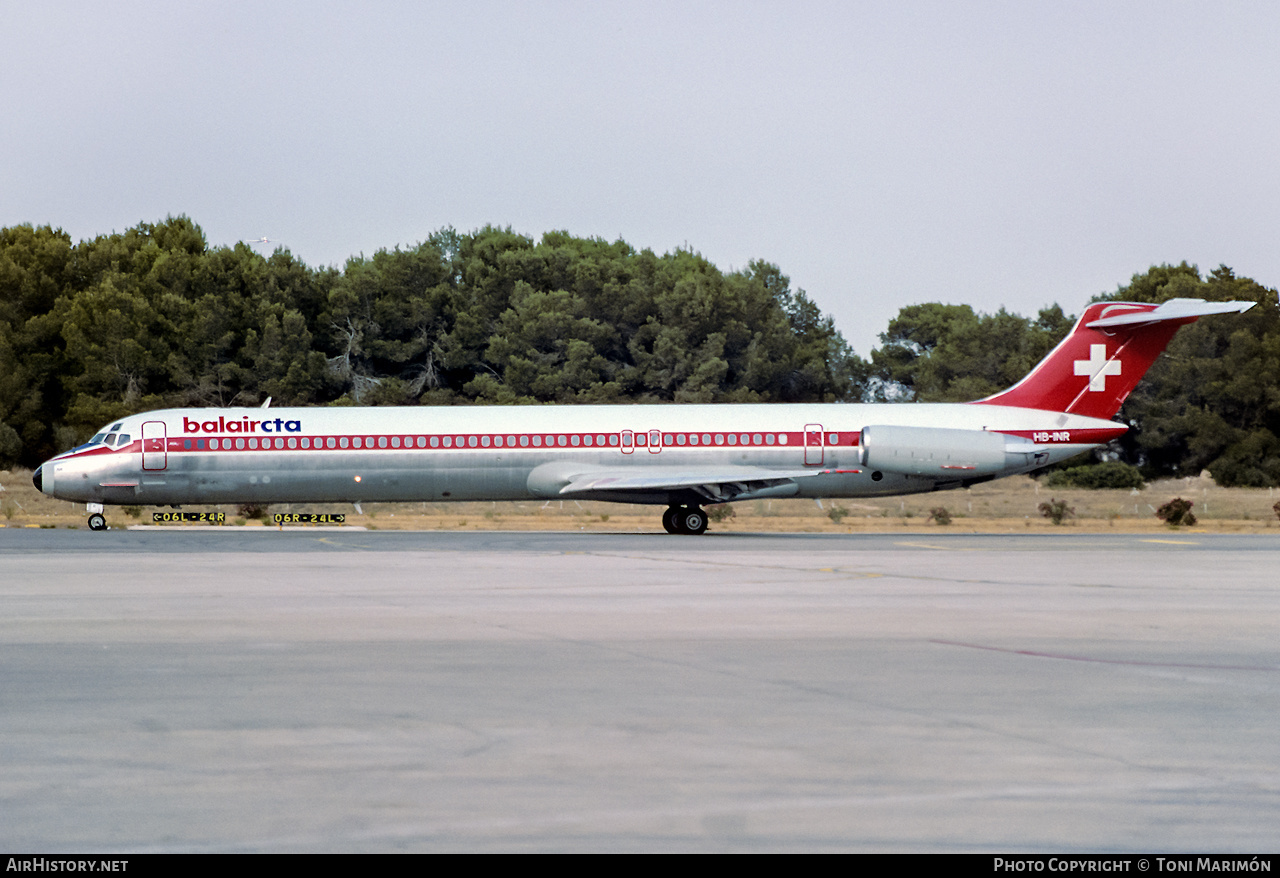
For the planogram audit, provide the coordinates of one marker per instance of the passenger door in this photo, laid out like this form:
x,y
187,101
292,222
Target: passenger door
x,y
154,440
814,444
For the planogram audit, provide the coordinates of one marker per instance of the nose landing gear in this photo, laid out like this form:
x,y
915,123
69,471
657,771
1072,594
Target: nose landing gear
x,y
96,519
684,520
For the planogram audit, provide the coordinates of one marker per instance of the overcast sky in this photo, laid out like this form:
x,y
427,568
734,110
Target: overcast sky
x,y
993,154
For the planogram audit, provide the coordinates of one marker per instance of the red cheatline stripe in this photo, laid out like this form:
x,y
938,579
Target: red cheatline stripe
x,y
1089,436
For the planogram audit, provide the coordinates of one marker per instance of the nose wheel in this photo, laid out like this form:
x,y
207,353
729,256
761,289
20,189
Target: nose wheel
x,y
97,522
684,520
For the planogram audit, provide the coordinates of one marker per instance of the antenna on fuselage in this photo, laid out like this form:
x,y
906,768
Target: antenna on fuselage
x,y
267,404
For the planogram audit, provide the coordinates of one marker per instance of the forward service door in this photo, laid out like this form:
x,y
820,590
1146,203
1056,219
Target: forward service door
x,y
154,455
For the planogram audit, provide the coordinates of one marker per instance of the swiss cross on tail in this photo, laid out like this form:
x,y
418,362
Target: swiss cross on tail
x,y
1105,355
1098,367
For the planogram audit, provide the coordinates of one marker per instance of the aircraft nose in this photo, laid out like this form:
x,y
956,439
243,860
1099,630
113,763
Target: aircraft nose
x,y
38,479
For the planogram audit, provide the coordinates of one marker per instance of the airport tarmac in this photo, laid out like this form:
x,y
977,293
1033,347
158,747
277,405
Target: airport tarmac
x,y
236,690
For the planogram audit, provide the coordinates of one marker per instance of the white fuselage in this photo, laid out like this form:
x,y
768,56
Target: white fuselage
x,y
276,455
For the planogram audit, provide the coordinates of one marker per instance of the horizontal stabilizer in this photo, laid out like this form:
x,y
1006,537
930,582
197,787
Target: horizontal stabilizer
x,y
1174,309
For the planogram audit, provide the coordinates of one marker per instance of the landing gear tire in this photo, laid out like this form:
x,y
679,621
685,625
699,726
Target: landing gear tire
x,y
670,520
689,520
693,521
97,522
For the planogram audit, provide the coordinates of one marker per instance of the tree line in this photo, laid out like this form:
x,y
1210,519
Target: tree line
x,y
153,317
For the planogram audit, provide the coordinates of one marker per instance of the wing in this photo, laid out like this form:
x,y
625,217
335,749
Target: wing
x,y
716,484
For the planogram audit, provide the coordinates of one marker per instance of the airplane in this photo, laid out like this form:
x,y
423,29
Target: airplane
x,y
682,457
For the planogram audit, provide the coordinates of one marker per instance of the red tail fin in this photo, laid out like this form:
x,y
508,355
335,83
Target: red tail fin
x,y
1105,355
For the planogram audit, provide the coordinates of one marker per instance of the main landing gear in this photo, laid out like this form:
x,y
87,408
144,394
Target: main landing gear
x,y
684,520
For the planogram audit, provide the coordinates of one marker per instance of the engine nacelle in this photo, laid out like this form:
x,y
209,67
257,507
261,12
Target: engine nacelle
x,y
936,452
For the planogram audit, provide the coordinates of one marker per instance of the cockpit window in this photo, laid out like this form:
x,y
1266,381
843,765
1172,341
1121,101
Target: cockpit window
x,y
116,427
96,439
122,441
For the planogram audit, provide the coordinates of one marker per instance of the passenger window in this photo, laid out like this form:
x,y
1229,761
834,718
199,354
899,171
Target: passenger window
x,y
484,440
395,441
329,443
382,441
524,441
342,442
472,441
293,443
240,443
